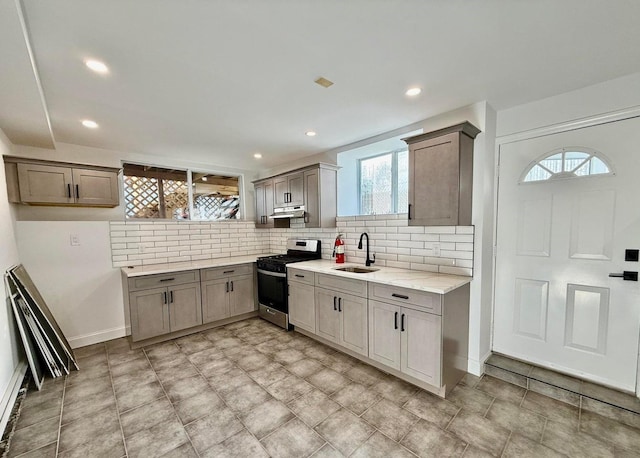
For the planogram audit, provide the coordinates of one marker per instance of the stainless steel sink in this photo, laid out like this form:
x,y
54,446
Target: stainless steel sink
x,y
356,270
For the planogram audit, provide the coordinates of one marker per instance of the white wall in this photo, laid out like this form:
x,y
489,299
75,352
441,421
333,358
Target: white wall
x,y
10,348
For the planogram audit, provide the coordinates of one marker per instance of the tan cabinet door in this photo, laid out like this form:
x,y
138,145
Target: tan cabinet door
x,y
95,187
149,313
296,189
185,309
280,191
45,184
327,315
302,306
353,326
215,300
384,333
421,349
241,297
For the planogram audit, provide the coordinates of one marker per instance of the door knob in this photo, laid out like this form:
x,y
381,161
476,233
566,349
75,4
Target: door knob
x,y
626,275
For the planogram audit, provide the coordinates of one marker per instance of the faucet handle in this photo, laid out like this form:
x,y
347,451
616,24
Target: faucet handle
x,y
373,255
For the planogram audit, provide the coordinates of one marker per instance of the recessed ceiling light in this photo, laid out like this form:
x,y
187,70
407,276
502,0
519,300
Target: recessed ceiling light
x,y
257,155
204,178
412,92
90,124
310,133
96,66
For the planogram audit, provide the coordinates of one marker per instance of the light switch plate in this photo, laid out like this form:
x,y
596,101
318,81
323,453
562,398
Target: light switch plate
x,y
74,239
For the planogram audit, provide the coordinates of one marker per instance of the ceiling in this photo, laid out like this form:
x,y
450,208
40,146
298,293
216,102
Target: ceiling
x,y
220,80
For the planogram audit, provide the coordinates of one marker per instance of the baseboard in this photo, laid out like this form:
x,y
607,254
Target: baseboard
x,y
477,367
10,395
97,337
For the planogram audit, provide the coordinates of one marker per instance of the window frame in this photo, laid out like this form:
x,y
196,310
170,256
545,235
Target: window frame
x,y
189,171
394,178
563,175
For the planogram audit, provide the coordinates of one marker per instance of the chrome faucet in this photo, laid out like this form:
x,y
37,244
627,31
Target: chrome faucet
x,y
368,262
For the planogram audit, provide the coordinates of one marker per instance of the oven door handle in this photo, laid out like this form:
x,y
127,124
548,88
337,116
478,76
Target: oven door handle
x,y
272,274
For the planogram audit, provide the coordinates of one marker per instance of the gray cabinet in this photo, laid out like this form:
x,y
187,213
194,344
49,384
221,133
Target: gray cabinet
x,y
302,307
342,317
227,291
320,197
164,303
288,190
441,176
51,183
264,203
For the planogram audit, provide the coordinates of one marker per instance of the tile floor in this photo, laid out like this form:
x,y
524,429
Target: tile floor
x,y
250,389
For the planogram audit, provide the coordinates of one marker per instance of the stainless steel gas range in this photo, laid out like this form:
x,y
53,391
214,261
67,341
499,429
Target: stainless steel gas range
x,y
272,279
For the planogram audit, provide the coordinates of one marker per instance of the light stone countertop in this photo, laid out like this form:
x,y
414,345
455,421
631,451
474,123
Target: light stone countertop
x,y
432,282
152,269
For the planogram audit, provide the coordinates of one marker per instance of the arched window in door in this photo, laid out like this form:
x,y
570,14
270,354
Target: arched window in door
x,y
569,162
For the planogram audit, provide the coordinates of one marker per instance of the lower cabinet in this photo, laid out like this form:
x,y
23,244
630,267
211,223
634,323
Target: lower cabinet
x,y
342,318
226,297
302,309
159,311
407,340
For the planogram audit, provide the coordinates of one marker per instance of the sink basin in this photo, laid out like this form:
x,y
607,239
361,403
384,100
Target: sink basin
x,y
357,270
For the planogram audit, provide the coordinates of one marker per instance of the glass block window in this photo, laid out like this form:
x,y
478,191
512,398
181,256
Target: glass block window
x,y
384,183
567,163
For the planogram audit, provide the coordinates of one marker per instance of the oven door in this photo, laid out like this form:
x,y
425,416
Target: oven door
x,y
272,290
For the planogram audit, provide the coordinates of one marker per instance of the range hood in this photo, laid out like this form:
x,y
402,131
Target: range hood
x,y
288,212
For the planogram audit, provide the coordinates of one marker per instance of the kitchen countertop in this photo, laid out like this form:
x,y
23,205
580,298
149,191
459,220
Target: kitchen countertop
x,y
152,269
432,282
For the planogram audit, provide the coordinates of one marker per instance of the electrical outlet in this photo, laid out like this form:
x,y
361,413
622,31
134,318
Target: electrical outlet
x,y
74,239
436,249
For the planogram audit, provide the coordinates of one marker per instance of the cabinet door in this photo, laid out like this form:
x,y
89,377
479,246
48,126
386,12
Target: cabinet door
x,y
296,188
264,204
353,323
215,300
280,191
95,187
149,313
241,297
260,210
185,309
45,184
421,353
384,333
312,198
268,203
434,181
302,306
327,315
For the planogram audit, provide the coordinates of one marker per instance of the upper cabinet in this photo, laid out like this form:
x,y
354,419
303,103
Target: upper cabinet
x,y
50,183
441,176
313,187
288,190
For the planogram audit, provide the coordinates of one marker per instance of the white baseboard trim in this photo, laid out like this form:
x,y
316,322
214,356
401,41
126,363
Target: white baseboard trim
x,y
477,367
97,337
10,395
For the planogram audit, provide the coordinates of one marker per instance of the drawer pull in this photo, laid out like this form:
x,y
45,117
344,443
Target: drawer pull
x,y
402,323
165,297
299,276
339,304
228,271
231,286
400,296
334,303
171,297
395,321
167,279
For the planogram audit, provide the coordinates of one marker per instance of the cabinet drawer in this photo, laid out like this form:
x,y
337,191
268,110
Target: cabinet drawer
x,y
301,276
227,271
338,283
422,300
153,281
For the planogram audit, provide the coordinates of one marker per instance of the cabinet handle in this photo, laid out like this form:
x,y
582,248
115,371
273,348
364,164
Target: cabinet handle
x,y
400,296
402,323
228,271
339,304
395,321
409,211
299,276
170,297
167,279
231,286
77,191
334,303
226,287
69,191
165,297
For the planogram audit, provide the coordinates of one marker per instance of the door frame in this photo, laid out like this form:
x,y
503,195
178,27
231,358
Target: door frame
x,y
567,126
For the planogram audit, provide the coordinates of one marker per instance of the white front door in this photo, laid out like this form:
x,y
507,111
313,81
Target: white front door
x,y
558,240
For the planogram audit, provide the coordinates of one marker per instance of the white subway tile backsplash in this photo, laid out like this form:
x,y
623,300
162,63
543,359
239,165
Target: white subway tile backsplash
x,y
457,238
440,229
456,271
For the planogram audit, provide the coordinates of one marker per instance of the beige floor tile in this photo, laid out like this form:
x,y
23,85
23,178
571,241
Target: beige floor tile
x,y
431,408
479,431
427,440
344,431
517,419
240,445
356,397
313,407
380,446
390,419
266,418
292,440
